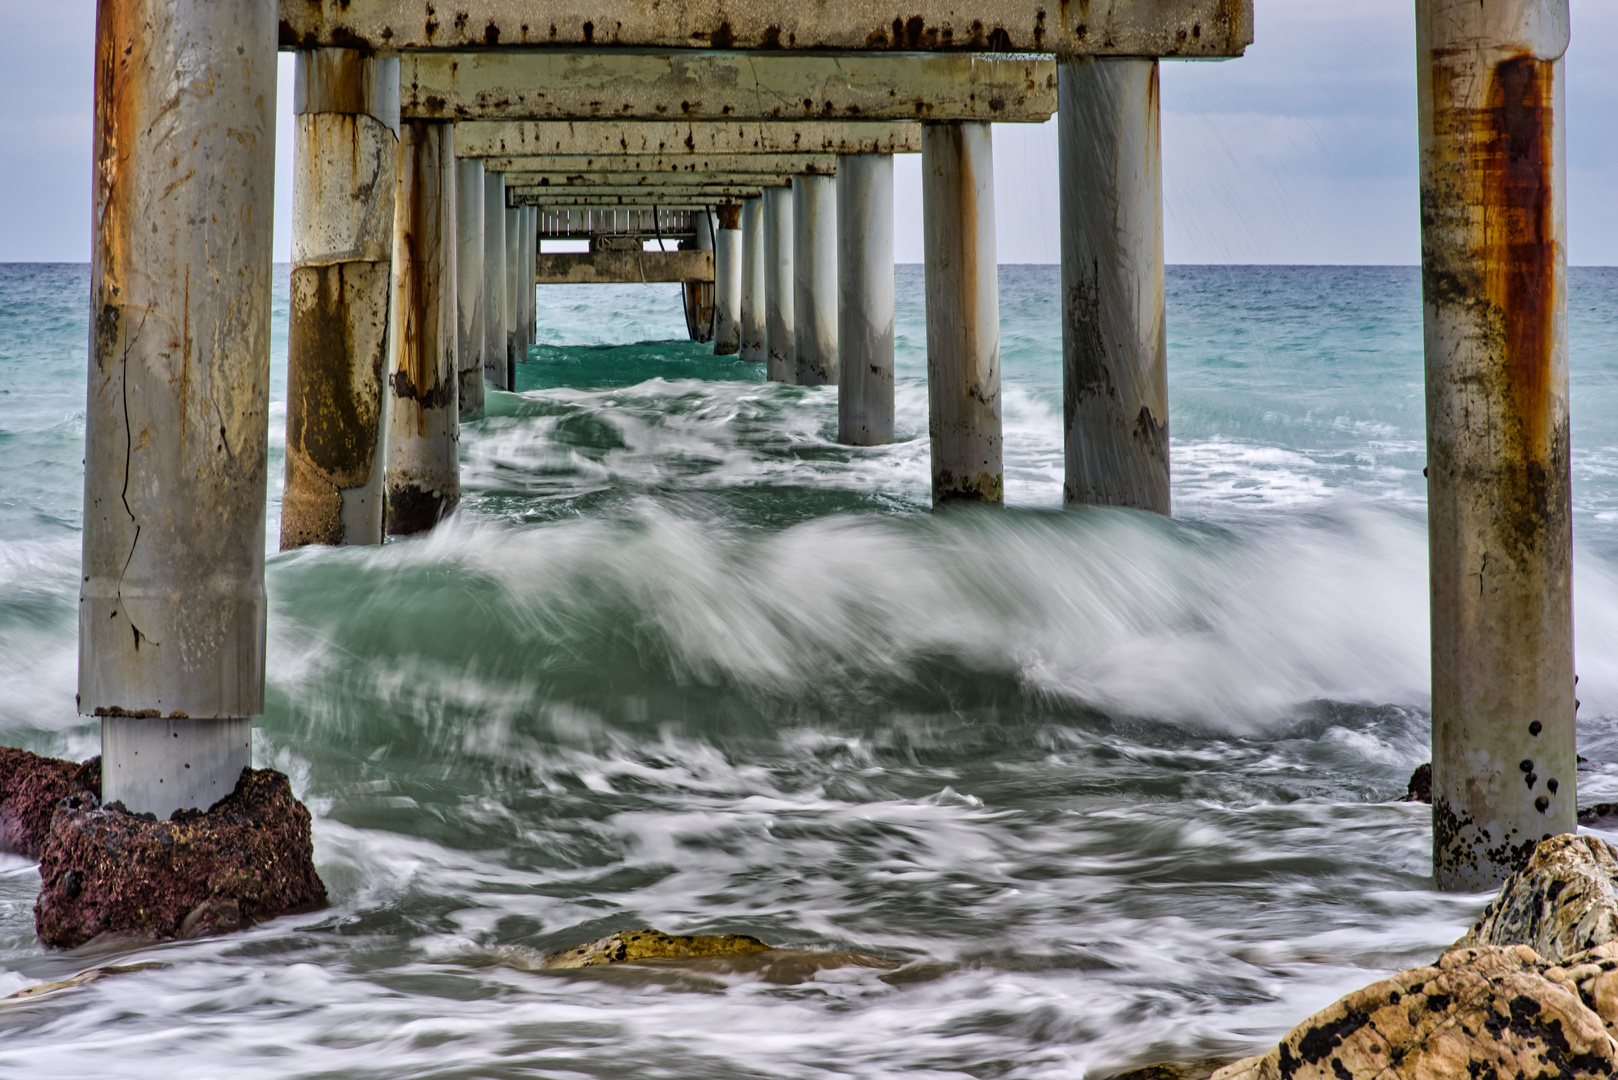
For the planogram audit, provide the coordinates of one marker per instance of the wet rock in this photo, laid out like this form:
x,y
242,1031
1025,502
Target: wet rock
x,y
1496,1011
1563,901
1603,815
698,959
1420,788
631,946
83,978
106,871
30,788
1201,1069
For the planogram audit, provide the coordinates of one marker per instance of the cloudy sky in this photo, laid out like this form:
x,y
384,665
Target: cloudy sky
x,y
1303,151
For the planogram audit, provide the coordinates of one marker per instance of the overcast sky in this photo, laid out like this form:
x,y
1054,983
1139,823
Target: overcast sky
x,y
1303,151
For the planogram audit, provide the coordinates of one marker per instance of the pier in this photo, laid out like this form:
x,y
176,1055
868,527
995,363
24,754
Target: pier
x,y
752,148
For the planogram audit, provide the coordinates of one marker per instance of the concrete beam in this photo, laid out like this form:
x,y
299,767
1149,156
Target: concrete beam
x,y
647,200
575,180
514,138
1198,28
640,196
512,85
679,165
622,267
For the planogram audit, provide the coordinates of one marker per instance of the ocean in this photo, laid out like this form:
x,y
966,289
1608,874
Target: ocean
x,y
1117,788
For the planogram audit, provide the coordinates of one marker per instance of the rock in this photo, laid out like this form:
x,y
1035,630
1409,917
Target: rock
x,y
1420,788
83,978
30,788
1601,815
1201,1069
1492,1011
1563,901
106,871
631,946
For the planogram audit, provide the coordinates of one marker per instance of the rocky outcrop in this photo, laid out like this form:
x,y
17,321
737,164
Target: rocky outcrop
x,y
30,788
1492,1011
106,871
632,946
1562,902
1420,787
1531,990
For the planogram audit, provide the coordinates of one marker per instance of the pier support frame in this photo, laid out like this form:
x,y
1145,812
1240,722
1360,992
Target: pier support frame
x,y
753,283
963,312
727,269
424,427
698,296
779,350
469,257
865,299
814,279
1494,297
494,280
345,140
525,279
1114,352
513,291
171,603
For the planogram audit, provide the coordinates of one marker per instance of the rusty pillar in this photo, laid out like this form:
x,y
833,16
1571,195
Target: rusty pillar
x,y
171,603
424,427
865,299
963,312
513,289
1494,298
344,144
1114,353
494,281
780,363
698,296
753,286
469,183
727,272
814,280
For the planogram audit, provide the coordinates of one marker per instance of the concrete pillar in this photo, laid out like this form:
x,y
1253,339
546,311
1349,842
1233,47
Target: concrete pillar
x,y
494,280
1494,283
171,602
779,351
513,294
814,280
963,312
1115,401
752,320
469,190
530,259
727,272
424,426
344,144
865,299
699,295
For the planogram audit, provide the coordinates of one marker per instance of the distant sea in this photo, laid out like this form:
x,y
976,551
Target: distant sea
x,y
1123,787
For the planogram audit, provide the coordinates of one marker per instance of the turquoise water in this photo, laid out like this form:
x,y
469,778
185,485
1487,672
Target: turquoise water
x,y
683,661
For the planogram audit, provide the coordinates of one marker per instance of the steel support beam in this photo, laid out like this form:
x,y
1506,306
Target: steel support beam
x,y
1490,83
684,138
963,313
538,85
1196,28
171,601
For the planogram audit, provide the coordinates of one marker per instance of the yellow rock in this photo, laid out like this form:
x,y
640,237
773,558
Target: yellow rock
x,y
630,946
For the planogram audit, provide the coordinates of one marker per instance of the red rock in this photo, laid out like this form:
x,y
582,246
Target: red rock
x,y
247,858
30,788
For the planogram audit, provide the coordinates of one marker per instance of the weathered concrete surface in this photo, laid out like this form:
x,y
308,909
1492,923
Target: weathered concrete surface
x,y
1494,292
345,152
727,262
160,765
641,199
1563,902
1493,1011
516,275
469,308
779,348
689,138
865,300
1115,394
814,280
646,223
424,425
963,313
539,85
617,179
172,608
30,788
622,267
702,166
752,309
1106,27
247,858
495,316
699,298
